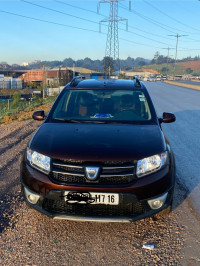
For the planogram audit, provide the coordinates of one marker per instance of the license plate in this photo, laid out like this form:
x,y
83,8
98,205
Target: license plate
x,y
73,197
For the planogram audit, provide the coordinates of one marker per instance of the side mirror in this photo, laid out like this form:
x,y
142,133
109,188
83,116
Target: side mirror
x,y
167,118
38,115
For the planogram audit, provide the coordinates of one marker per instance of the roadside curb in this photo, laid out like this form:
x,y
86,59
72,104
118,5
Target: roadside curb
x,y
189,86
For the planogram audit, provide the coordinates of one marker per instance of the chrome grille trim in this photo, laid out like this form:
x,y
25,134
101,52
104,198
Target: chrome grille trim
x,y
68,165
118,167
115,175
67,173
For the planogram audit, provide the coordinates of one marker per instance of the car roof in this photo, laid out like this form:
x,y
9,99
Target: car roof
x,y
106,84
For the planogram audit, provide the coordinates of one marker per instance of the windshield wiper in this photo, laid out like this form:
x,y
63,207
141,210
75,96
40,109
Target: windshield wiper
x,y
67,120
97,121
93,122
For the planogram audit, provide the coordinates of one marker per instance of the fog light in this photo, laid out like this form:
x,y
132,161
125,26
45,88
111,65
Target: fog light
x,y
157,202
32,197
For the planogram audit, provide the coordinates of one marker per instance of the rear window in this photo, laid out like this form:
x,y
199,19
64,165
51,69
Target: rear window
x,y
103,105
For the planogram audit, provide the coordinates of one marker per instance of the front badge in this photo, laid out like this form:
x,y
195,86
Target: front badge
x,y
92,172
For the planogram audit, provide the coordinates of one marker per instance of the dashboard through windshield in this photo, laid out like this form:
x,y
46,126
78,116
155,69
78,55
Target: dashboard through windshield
x,y
103,105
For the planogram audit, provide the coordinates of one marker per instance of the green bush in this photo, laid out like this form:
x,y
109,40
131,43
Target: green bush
x,y
16,99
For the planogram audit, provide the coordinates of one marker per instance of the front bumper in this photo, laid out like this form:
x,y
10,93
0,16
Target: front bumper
x,y
128,210
133,198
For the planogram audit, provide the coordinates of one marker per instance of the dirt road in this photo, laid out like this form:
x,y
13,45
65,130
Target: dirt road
x,y
30,238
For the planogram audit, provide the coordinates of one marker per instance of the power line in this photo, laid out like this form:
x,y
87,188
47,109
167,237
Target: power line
x,y
119,21
49,22
78,28
129,26
137,34
186,49
78,7
192,40
67,14
60,12
139,43
150,33
169,16
158,24
65,25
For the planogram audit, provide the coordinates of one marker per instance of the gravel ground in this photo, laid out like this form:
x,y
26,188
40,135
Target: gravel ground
x,y
30,238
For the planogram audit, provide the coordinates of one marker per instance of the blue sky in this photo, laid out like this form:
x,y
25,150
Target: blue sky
x,y
25,36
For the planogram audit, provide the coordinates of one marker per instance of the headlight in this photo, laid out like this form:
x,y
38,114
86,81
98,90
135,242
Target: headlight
x,y
38,160
151,164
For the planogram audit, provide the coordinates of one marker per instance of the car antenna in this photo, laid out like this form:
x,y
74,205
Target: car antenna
x,y
137,81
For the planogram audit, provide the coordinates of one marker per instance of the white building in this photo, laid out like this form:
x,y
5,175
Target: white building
x,y
10,83
139,74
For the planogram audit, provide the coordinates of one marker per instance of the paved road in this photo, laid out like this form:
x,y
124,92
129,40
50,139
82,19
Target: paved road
x,y
184,134
30,238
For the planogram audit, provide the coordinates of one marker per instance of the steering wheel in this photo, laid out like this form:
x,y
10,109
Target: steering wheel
x,y
127,114
126,110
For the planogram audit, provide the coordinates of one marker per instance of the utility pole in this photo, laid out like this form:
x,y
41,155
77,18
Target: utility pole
x,y
177,37
44,81
73,70
168,48
112,43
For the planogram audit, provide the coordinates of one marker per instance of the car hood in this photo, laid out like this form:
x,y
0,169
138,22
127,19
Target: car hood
x,y
98,142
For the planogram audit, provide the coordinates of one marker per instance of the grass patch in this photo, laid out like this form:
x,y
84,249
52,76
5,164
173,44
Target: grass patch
x,y
22,110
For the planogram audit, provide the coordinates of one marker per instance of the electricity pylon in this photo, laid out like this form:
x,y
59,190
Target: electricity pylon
x,y
112,43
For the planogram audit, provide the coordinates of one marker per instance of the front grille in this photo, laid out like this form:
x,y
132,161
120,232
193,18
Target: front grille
x,y
121,210
105,163
69,172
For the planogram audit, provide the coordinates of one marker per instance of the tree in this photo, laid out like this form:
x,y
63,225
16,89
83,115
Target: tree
x,y
164,70
67,76
108,65
126,68
154,60
141,63
68,62
196,58
59,76
189,70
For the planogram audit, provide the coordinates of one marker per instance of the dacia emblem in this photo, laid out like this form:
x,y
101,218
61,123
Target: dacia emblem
x,y
92,172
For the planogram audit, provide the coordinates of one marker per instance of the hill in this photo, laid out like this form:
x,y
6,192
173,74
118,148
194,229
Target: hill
x,y
153,71
194,65
168,69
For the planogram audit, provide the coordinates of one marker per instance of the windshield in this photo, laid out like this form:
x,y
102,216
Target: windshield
x,y
102,105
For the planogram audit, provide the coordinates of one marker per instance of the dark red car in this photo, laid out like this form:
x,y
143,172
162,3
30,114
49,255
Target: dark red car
x,y
100,155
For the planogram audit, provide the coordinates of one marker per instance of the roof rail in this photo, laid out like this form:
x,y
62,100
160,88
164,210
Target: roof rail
x,y
137,81
76,80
